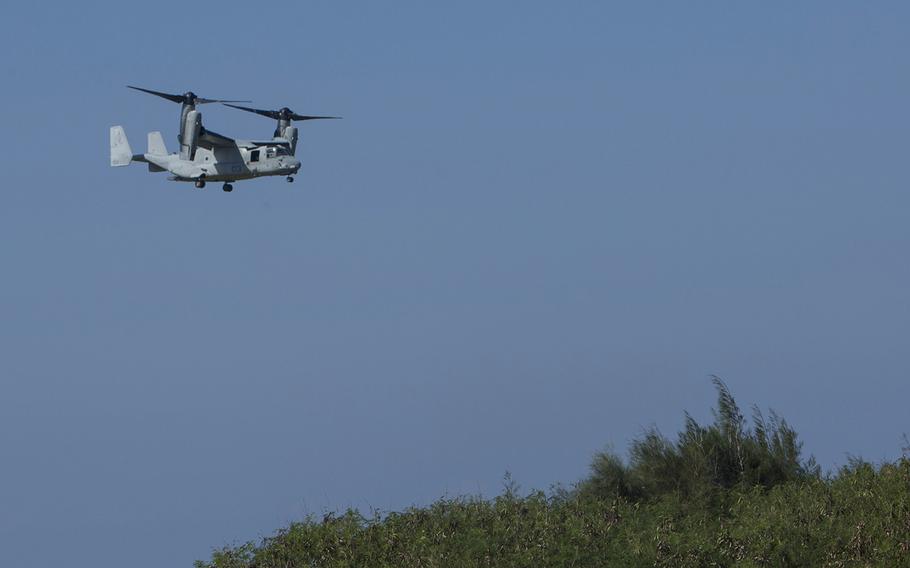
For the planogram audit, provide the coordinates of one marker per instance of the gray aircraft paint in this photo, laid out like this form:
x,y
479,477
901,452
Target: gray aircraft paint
x,y
208,156
238,161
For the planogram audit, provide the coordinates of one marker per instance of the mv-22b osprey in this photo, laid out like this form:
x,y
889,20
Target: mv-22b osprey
x,y
207,156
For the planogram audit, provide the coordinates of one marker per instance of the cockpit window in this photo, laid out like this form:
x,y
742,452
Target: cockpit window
x,y
282,151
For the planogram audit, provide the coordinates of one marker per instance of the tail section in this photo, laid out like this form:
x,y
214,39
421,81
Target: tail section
x,y
157,155
156,144
121,154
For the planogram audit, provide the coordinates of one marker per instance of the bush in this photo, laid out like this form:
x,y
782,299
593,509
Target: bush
x,y
721,495
722,455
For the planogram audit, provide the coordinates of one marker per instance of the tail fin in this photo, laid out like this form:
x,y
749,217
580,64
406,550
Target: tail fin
x,y
121,154
156,144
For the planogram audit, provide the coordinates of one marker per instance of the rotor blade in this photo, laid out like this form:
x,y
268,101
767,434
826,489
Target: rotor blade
x,y
201,101
168,96
305,117
268,113
276,114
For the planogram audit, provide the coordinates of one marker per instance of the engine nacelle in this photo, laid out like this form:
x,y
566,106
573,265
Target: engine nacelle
x,y
291,134
189,134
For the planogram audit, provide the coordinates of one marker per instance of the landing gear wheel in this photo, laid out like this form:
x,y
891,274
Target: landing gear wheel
x,y
290,179
200,184
227,187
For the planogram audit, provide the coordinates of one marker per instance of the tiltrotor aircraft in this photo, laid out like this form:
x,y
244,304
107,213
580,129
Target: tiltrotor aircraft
x,y
207,156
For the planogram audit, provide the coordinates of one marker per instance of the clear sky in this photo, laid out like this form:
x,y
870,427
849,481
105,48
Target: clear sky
x,y
539,228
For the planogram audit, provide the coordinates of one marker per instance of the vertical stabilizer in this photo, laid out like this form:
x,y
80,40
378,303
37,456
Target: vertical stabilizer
x,y
156,144
121,154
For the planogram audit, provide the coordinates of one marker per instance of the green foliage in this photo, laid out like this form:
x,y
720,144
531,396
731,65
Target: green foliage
x,y
704,458
721,495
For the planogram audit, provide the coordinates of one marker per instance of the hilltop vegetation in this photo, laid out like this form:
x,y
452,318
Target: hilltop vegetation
x,y
724,494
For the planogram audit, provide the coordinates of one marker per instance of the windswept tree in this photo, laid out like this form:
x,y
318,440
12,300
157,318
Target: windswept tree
x,y
724,454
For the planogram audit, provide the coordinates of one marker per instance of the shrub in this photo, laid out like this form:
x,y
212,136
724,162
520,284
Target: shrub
x,y
703,459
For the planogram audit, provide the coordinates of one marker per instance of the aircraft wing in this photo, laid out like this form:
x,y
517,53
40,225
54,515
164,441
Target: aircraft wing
x,y
257,143
210,140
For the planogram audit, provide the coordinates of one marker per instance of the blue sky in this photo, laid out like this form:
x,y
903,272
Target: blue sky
x,y
538,230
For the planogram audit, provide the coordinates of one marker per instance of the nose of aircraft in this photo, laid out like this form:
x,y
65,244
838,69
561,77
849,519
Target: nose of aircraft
x,y
295,165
